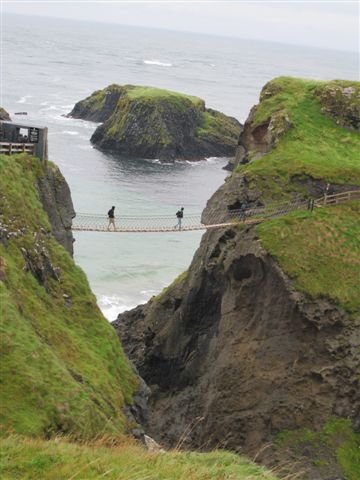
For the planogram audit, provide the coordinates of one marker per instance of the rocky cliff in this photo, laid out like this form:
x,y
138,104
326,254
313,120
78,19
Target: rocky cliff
x,y
152,123
256,346
56,200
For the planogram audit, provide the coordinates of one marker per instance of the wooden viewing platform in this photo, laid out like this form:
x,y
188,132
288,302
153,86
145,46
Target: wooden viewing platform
x,y
19,138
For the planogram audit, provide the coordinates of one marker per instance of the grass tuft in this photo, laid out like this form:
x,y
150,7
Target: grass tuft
x,y
58,459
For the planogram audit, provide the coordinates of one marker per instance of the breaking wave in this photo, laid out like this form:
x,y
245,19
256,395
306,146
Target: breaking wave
x,y
158,63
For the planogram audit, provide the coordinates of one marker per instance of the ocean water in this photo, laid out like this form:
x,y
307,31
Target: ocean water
x,y
49,64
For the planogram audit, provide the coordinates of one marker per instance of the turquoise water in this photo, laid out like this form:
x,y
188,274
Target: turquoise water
x,y
50,64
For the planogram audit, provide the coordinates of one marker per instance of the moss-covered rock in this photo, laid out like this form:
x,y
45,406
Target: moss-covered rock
x,y
62,368
341,101
149,122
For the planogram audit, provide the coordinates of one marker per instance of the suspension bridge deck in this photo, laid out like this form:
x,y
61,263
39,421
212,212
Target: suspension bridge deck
x,y
192,222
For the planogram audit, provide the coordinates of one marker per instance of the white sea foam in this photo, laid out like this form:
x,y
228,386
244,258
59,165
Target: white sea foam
x,y
49,108
157,161
24,99
149,293
70,132
84,147
189,162
214,159
158,63
111,306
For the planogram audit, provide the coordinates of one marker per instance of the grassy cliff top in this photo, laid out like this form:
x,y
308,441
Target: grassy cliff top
x,y
62,367
29,458
96,101
315,143
320,251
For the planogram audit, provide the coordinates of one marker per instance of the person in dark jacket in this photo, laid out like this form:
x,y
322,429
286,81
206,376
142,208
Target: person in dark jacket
x,y
111,217
179,216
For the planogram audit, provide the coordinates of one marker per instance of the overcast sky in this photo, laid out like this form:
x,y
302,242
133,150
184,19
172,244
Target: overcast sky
x,y
328,24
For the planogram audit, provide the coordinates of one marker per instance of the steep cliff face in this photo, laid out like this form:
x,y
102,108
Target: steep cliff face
x,y
262,334
240,355
56,200
152,123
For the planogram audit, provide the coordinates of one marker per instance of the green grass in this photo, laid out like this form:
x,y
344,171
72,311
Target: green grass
x,y
27,459
62,366
314,146
179,101
320,251
216,125
95,101
152,93
336,440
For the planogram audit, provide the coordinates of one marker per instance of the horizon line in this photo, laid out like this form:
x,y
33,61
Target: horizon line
x,y
253,39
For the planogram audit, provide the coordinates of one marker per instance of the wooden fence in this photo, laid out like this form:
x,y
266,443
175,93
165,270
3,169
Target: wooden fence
x,y
11,148
338,198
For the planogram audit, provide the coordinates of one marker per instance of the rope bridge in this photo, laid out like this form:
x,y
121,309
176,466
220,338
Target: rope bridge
x,y
191,222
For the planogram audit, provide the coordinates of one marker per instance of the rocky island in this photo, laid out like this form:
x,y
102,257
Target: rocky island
x,y
147,122
256,346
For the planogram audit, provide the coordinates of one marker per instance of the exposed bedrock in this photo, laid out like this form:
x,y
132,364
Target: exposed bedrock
x,y
234,355
57,202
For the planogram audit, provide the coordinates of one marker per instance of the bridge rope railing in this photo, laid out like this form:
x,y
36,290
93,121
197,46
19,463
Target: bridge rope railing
x,y
193,221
